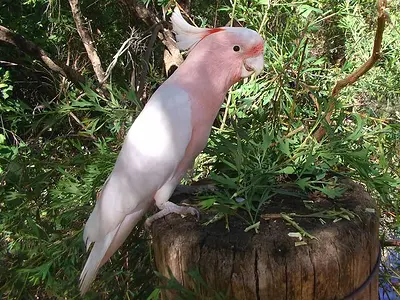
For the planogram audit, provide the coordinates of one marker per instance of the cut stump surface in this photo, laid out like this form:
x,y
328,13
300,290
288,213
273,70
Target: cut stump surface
x,y
268,265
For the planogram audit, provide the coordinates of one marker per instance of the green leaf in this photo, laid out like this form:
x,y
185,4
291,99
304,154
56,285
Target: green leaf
x,y
331,192
268,96
225,180
287,170
207,203
357,133
305,10
303,182
284,147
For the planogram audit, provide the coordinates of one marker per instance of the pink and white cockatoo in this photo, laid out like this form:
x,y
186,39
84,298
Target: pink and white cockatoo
x,y
169,133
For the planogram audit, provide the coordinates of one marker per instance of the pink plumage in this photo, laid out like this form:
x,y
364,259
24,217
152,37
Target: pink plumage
x,y
167,136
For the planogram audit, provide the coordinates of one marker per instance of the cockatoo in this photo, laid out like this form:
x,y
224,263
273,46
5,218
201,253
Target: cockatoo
x,y
169,133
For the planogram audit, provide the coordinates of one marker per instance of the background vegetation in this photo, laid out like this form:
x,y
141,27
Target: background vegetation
x,y
60,131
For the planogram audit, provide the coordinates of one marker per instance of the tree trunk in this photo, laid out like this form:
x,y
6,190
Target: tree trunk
x,y
268,265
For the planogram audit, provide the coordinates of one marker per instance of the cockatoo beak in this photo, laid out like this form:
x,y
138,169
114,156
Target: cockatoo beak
x,y
253,65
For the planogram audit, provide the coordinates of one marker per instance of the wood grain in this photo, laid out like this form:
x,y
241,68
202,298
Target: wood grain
x,y
268,265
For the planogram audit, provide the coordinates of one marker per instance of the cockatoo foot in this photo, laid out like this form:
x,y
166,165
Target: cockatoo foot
x,y
168,208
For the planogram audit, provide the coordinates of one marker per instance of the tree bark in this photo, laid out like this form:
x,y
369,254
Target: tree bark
x,y
38,53
87,40
341,263
172,55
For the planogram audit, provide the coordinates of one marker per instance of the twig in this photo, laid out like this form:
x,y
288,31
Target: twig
x,y
87,40
353,77
185,5
264,20
36,52
289,134
216,13
332,214
147,54
298,78
390,243
294,55
366,116
233,13
7,63
132,81
271,216
228,102
294,131
134,38
297,226
81,124
172,55
376,53
313,98
185,13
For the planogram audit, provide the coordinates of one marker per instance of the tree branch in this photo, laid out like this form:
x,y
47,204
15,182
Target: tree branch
x,y
172,55
353,77
30,48
147,54
87,40
390,243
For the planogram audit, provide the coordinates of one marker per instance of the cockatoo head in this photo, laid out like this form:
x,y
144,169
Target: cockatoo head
x,y
241,48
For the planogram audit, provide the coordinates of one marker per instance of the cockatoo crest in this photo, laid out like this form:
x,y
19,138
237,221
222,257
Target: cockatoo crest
x,y
187,36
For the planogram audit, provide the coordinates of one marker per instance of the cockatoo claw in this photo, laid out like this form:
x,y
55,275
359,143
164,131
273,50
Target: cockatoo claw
x,y
196,213
168,208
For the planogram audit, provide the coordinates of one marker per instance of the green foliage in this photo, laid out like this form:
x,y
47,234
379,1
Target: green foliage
x,y
58,144
49,186
268,142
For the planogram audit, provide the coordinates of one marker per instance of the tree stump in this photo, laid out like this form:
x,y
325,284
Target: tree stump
x,y
268,264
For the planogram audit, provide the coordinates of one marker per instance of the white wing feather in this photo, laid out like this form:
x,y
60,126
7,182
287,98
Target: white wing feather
x,y
152,150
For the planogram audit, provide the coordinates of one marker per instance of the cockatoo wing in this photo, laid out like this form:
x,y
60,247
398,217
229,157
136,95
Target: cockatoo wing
x,y
153,148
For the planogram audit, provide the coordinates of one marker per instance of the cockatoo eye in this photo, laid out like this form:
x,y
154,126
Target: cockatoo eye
x,y
236,48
